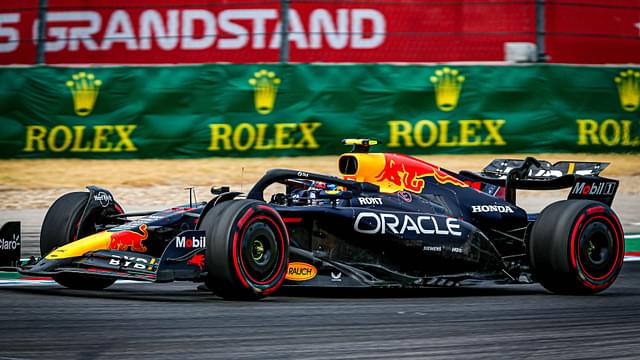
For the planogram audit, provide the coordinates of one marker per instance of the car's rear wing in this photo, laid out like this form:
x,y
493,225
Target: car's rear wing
x,y
530,174
499,168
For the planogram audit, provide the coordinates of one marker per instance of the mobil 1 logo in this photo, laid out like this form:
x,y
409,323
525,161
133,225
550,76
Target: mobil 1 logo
x,y
597,189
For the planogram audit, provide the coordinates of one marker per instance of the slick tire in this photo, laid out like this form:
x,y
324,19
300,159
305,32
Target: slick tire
x,y
60,226
247,249
576,247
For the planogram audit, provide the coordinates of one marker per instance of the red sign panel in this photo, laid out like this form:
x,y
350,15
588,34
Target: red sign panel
x,y
161,31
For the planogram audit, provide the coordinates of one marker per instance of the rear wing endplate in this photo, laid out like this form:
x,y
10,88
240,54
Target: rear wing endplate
x,y
530,174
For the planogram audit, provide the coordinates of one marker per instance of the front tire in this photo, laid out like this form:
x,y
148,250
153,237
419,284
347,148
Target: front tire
x,y
61,226
576,247
247,249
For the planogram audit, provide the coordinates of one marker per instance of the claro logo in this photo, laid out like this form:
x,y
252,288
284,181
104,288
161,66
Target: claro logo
x,y
299,271
383,223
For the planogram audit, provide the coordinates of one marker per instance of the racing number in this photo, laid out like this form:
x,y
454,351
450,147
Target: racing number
x,y
9,36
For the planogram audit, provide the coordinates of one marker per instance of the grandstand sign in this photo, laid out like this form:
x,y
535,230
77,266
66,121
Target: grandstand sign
x,y
192,31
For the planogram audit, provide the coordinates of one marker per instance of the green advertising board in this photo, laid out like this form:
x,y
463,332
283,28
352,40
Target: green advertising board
x,y
277,110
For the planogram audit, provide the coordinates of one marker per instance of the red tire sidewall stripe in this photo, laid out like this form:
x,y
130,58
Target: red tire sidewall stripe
x,y
244,268
236,254
575,248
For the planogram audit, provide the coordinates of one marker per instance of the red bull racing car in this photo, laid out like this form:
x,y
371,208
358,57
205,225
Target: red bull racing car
x,y
389,220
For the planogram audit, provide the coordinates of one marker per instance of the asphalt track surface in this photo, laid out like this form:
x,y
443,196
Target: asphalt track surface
x,y
176,321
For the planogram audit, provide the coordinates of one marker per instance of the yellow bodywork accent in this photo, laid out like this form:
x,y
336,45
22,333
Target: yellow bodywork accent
x,y
99,241
369,166
369,142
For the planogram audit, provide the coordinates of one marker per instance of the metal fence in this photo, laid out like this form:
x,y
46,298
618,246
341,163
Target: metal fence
x,y
322,31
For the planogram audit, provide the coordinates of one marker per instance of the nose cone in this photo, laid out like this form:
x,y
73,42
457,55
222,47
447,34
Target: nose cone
x,y
99,241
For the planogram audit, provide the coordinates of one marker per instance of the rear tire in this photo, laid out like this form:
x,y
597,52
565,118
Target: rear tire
x,y
576,247
247,249
60,227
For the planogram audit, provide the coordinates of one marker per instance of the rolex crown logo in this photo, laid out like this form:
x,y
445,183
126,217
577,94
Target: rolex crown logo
x,y
628,82
84,90
448,84
265,88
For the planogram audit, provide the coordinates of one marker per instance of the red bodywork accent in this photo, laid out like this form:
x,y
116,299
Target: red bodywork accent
x,y
409,173
129,239
197,260
293,220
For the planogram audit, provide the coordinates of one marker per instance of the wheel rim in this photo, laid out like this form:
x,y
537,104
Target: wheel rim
x,y
597,252
259,250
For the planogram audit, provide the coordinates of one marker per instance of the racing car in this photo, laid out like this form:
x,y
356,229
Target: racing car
x,y
389,220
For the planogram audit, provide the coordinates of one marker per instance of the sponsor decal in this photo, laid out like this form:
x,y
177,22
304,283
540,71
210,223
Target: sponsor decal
x,y
615,132
80,138
184,242
142,33
628,83
448,85
595,188
197,260
263,136
432,248
336,277
132,262
408,174
265,88
428,133
129,239
385,223
299,271
491,208
405,196
456,250
370,201
103,198
84,88
12,244
424,133
610,132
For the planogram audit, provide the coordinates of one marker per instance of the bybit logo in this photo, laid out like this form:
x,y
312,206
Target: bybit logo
x,y
265,88
84,90
628,82
448,84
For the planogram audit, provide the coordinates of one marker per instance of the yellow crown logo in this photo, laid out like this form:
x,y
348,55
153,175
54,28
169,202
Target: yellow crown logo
x,y
628,82
84,90
265,88
448,84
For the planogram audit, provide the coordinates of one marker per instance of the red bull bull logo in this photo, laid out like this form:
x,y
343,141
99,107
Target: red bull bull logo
x,y
406,173
197,260
130,239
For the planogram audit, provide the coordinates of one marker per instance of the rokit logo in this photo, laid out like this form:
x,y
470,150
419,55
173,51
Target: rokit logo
x,y
369,201
12,244
596,188
491,208
383,223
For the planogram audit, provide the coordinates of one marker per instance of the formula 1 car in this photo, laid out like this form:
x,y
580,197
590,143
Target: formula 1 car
x,y
390,220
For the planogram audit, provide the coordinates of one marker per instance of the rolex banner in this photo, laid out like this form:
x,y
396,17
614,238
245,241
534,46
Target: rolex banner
x,y
277,110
